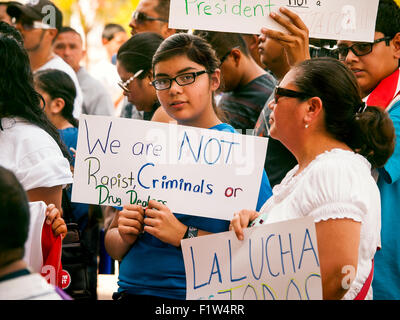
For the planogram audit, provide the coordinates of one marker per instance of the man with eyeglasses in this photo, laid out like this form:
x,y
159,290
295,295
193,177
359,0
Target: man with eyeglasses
x,y
152,16
376,67
39,22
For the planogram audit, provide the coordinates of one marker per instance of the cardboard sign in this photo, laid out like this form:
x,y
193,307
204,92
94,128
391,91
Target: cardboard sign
x,y
352,20
193,171
277,261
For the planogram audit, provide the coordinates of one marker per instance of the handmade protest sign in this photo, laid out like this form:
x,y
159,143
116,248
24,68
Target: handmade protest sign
x,y
276,261
352,20
193,171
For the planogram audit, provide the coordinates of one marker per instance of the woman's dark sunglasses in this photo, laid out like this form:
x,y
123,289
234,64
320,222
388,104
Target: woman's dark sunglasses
x,y
282,92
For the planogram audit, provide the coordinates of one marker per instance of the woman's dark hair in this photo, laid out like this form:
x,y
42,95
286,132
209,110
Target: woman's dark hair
x,y
18,97
58,84
137,53
367,130
196,49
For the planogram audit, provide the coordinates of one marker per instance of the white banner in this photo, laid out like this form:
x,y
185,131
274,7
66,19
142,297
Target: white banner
x,y
193,171
352,20
277,261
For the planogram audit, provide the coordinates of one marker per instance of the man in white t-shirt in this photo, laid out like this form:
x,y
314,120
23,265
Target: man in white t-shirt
x,y
39,22
96,99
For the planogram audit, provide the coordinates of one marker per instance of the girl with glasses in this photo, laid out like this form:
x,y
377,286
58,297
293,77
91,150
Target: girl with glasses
x,y
134,68
318,114
186,76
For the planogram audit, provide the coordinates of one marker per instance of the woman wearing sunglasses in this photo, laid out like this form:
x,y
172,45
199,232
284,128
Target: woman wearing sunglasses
x,y
134,68
186,76
318,114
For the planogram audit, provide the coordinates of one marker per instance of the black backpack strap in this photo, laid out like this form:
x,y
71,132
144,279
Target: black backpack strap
x,y
66,206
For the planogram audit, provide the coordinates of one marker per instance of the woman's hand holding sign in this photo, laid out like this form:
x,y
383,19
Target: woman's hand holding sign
x,y
241,220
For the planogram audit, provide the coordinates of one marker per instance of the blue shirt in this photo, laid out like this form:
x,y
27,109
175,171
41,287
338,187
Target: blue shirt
x,y
79,210
70,138
386,283
152,267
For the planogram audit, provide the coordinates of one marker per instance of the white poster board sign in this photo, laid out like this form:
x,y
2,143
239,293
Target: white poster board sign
x,y
277,261
352,20
193,171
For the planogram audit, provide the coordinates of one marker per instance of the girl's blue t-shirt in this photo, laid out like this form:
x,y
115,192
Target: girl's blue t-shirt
x,y
79,210
152,267
70,138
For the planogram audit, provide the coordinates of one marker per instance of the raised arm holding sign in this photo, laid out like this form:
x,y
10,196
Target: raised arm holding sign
x,y
295,40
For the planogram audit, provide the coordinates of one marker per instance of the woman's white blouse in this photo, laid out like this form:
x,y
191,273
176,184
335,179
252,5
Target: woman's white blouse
x,y
337,184
32,155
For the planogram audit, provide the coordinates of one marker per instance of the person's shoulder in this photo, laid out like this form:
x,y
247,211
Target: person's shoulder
x,y
30,287
257,90
21,128
85,77
30,139
224,127
394,107
342,170
267,79
56,63
69,132
340,160
59,64
338,184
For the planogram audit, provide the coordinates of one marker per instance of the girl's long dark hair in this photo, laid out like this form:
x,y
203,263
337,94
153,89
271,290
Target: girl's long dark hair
x,y
18,97
58,84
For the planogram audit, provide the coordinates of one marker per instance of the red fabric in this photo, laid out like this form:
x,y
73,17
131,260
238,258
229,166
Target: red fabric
x,y
51,249
384,93
367,284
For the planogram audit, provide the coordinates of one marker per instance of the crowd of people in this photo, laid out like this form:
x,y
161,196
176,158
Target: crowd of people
x,y
331,114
